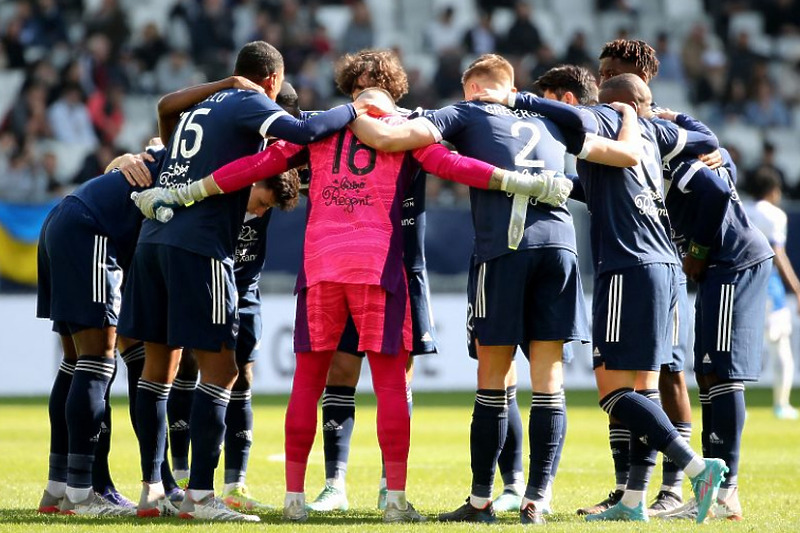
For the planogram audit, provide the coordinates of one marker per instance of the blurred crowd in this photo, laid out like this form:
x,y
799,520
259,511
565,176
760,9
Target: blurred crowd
x,y
81,63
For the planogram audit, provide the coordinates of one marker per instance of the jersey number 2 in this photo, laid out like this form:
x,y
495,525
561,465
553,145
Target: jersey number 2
x,y
521,159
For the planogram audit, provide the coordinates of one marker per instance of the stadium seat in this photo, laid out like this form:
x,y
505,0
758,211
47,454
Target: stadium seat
x,y
788,48
749,22
335,19
747,139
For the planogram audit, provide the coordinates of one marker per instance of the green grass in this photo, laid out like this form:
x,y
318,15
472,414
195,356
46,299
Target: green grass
x,y
438,470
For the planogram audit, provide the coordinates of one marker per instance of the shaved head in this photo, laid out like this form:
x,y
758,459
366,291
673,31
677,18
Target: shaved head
x,y
627,88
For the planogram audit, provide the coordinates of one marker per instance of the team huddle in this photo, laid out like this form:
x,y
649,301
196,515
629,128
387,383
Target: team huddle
x,y
177,240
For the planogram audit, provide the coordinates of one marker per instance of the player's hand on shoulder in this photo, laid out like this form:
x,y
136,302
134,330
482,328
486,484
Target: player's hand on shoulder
x,y
666,114
240,82
135,170
712,160
622,108
493,96
374,103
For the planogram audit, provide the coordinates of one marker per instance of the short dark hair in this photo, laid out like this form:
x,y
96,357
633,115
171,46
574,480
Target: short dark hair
x,y
286,188
634,51
257,61
287,99
570,78
763,182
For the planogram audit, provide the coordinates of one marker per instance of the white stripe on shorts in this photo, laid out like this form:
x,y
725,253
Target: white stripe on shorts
x,y
676,325
99,269
480,296
217,292
725,321
614,317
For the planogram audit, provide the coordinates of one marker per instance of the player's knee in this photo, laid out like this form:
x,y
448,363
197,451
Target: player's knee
x,y
244,380
344,371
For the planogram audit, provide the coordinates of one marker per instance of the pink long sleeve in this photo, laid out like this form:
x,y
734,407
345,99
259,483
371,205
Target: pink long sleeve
x,y
440,161
247,170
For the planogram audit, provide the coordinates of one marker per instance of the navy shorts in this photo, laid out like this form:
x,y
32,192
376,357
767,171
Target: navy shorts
x,y
633,314
524,296
249,337
729,323
422,325
179,298
80,279
681,326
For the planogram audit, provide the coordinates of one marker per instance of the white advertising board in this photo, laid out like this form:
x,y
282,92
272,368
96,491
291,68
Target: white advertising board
x,y
30,352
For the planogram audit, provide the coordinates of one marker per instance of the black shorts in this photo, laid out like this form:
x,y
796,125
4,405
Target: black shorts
x,y
179,298
80,279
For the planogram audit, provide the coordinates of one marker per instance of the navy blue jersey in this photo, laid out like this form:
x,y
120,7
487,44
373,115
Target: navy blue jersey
x,y
226,126
108,198
629,219
738,244
516,140
251,251
413,222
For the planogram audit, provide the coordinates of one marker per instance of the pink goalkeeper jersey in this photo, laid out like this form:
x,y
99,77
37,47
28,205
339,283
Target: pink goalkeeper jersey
x,y
353,232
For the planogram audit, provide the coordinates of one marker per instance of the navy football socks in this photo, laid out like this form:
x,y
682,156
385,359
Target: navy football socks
x,y
207,431
642,455
644,418
238,436
545,426
727,417
179,411
151,421
59,435
510,461
619,439
101,475
487,435
338,420
85,408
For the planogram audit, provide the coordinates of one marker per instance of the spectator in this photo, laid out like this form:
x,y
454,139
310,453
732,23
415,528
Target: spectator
x,y
742,60
97,68
13,45
175,72
151,47
765,166
669,68
106,113
46,27
212,42
577,54
109,20
443,36
523,37
69,119
545,60
95,163
359,34
781,17
765,109
29,118
480,39
23,181
447,80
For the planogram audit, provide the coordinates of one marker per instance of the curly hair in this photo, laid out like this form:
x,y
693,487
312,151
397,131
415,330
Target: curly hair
x,y
633,51
577,80
285,187
383,68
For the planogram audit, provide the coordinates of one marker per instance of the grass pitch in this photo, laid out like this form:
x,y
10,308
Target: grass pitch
x,y
438,470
